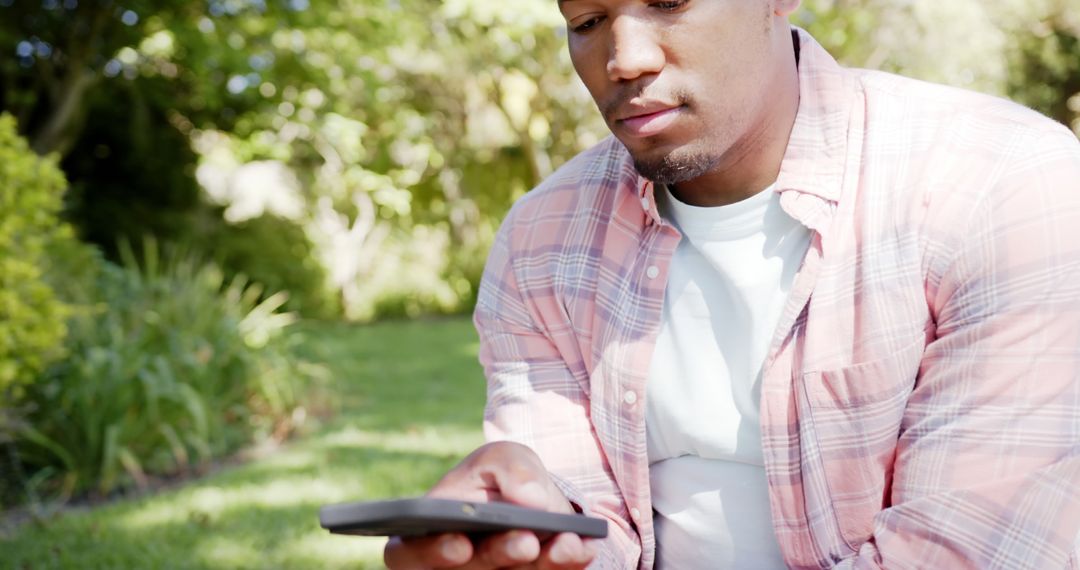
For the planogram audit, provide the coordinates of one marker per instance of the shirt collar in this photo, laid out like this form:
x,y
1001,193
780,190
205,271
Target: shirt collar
x,y
817,149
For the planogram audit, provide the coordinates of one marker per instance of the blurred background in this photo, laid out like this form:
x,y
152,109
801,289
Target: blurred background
x,y
239,241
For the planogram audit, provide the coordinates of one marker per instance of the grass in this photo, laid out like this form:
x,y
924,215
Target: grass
x,y
410,397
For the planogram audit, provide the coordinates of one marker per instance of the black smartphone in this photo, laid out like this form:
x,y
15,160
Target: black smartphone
x,y
423,516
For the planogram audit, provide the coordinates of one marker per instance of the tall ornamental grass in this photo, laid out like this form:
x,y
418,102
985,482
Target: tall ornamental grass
x,y
168,365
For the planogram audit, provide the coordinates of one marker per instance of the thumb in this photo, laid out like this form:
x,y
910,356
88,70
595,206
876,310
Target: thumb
x,y
522,479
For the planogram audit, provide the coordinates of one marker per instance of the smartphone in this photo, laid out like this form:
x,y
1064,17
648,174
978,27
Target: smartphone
x,y
423,516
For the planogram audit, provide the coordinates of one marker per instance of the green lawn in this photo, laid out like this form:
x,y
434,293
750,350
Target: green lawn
x,y
410,396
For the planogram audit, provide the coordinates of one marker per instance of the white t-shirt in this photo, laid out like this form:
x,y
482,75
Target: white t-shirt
x,y
728,282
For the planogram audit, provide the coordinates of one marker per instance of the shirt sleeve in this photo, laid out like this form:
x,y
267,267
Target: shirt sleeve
x,y
987,467
534,398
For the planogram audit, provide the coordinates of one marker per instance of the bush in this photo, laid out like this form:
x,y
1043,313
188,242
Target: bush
x,y
170,367
31,316
277,254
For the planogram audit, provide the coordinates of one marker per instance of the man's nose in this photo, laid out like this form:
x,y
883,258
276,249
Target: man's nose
x,y
634,49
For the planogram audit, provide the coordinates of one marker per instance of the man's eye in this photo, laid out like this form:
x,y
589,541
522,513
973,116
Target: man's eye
x,y
585,26
671,5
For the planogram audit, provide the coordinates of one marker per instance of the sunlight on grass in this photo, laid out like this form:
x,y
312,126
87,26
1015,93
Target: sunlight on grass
x,y
427,439
312,484
227,553
210,503
334,550
154,514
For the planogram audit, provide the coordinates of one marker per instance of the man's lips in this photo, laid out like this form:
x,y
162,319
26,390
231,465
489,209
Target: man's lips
x,y
649,122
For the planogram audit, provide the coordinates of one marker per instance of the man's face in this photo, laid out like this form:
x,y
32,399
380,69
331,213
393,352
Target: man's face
x,y
679,82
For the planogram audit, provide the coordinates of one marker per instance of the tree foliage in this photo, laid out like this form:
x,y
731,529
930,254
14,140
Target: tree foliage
x,y
65,50
1045,70
1028,50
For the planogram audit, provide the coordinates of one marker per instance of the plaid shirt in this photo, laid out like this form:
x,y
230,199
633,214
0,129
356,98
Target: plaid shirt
x,y
921,398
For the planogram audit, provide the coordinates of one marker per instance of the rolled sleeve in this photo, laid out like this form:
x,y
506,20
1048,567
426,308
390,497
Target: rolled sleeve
x,y
534,398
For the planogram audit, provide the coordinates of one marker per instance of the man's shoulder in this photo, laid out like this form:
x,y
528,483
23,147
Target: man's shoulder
x,y
940,155
928,137
904,103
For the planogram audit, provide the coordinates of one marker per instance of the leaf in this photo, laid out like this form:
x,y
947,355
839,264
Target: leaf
x,y
132,467
36,437
179,452
196,408
110,450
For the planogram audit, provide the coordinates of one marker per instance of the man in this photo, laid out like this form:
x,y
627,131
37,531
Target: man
x,y
790,315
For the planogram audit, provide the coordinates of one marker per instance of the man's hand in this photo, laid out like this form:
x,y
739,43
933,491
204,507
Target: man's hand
x,y
506,472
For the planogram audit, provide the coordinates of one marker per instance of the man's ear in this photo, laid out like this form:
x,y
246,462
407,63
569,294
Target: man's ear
x,y
784,8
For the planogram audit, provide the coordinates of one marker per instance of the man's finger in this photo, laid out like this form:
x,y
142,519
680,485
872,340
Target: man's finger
x,y
507,549
567,551
440,551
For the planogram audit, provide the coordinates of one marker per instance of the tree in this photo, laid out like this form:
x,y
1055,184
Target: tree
x,y
115,90
1045,61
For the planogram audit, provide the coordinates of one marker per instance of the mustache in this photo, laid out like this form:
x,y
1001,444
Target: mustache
x,y
632,91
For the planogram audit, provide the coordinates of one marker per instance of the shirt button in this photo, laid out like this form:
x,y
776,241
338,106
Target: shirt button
x,y
629,397
635,514
645,204
652,272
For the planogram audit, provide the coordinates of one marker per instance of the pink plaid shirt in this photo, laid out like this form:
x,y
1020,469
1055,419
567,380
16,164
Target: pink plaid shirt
x,y
921,397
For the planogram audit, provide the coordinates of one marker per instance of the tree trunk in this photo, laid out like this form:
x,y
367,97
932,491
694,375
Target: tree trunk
x,y
60,130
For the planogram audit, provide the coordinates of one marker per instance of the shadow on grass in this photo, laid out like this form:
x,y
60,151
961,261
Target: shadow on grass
x,y
252,518
409,397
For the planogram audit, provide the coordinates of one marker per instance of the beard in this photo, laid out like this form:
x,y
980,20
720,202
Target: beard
x,y
675,167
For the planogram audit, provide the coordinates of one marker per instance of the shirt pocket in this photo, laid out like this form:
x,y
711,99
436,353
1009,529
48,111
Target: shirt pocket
x,y
855,415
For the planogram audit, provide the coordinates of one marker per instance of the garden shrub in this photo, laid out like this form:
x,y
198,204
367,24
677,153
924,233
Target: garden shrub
x,y
31,315
172,367
42,271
